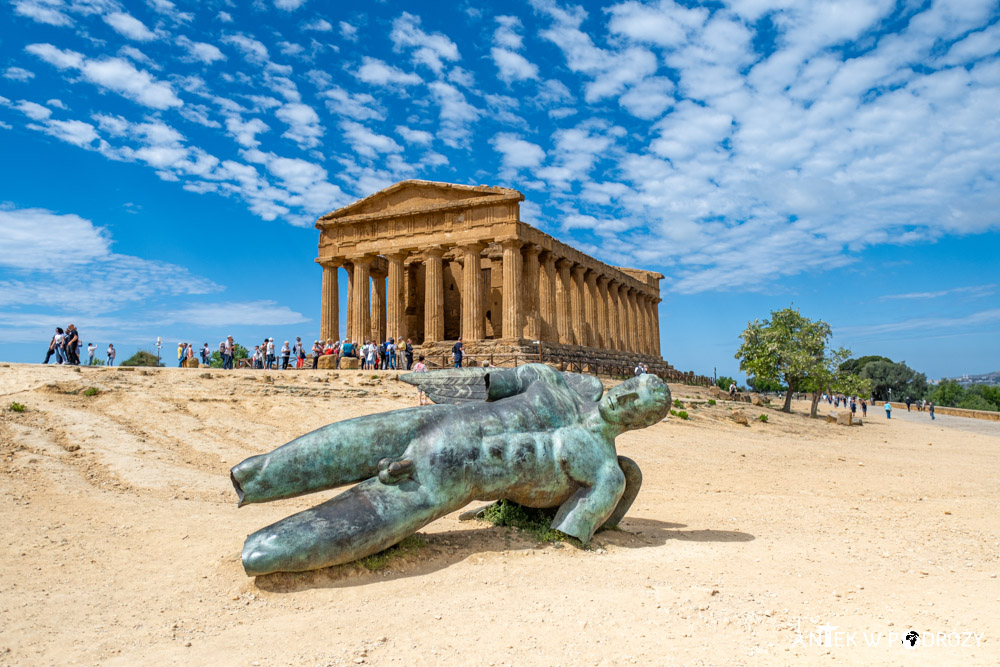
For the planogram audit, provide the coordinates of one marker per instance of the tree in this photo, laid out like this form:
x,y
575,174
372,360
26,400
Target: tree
x,y
855,365
764,386
827,377
903,380
788,348
142,358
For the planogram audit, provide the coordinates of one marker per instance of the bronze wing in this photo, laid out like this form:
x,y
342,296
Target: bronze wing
x,y
465,385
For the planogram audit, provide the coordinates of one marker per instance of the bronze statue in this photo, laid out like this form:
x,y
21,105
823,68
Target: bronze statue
x,y
529,434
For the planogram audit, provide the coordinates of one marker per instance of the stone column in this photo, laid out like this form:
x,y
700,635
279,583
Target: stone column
x,y
395,301
564,322
547,298
512,327
603,329
433,295
633,321
361,312
614,342
530,279
590,308
348,320
472,293
378,307
648,302
656,328
329,325
577,304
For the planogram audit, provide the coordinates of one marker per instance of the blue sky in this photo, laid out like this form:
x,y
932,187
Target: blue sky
x,y
164,161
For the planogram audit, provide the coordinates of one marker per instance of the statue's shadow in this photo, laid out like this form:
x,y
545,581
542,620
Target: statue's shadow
x,y
441,550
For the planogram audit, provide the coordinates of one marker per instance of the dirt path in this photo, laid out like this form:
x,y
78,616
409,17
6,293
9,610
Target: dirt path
x,y
123,539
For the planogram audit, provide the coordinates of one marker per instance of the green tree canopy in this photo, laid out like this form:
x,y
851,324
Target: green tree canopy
x,y
788,348
855,365
903,380
142,358
723,382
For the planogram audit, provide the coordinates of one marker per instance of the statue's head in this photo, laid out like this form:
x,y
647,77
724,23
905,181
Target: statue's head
x,y
636,403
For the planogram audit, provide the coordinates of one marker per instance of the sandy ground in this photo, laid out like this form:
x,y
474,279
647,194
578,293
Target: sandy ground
x,y
745,546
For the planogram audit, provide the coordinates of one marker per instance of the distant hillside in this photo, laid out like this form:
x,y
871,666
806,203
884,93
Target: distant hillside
x,y
985,378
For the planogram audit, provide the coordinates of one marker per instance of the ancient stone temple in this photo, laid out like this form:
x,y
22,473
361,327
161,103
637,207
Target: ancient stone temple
x,y
435,261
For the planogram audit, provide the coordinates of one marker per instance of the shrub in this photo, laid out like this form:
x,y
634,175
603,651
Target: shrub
x,y
17,407
711,401
679,413
535,522
763,418
141,358
677,403
91,391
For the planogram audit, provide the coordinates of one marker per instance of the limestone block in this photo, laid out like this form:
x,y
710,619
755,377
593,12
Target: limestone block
x,y
740,417
845,418
348,363
756,399
191,363
327,362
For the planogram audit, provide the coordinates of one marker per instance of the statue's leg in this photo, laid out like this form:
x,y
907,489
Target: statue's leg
x,y
633,480
341,453
361,521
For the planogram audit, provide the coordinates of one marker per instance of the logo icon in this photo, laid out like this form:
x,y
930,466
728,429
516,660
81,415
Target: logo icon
x,y
911,638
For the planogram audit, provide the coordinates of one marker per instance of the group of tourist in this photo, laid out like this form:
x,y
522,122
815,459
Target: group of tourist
x,y
65,347
372,355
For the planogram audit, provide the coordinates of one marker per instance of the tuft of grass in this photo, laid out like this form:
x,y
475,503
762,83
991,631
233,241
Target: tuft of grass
x,y
535,522
763,418
17,407
677,403
91,391
682,414
711,401
384,558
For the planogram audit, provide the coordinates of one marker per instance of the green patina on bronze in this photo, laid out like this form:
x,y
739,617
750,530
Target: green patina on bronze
x,y
531,435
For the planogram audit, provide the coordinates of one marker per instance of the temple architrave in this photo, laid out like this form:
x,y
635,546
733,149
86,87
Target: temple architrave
x,y
434,261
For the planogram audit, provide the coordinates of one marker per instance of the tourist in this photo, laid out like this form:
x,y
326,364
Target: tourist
x,y
181,353
408,353
190,351
72,344
639,370
854,408
391,351
732,391
270,353
111,354
317,350
888,409
930,407
420,368
864,408
206,355
300,355
286,352
372,355
908,402
57,336
91,348
230,348
457,352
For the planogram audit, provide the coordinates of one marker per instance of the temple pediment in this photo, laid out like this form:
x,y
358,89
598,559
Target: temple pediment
x,y
415,195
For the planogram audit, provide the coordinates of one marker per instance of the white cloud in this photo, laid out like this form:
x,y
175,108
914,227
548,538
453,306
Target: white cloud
x,y
973,291
348,31
251,313
516,153
430,49
513,66
201,51
379,73
129,26
666,24
48,241
253,51
114,74
245,132
289,5
167,8
303,124
33,110
359,106
43,12
18,74
319,25
972,321
75,132
456,114
410,136
367,143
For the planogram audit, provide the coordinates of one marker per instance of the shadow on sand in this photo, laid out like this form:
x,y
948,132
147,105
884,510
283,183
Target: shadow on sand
x,y
441,550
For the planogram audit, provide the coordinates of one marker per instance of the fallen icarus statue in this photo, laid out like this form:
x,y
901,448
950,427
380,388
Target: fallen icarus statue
x,y
530,434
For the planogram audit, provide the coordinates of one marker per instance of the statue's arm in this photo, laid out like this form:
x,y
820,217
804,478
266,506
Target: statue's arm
x,y
601,486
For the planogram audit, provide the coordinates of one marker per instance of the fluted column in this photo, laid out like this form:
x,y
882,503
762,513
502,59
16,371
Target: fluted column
x,y
512,326
361,312
564,321
395,302
378,307
614,342
590,308
473,326
547,298
604,335
530,279
656,328
329,324
576,305
647,303
633,321
348,320
433,295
